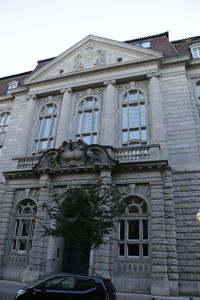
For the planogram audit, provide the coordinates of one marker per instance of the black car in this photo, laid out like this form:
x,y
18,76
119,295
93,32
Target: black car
x,y
69,287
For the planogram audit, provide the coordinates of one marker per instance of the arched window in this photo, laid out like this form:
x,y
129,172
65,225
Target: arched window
x,y
4,119
88,120
198,92
24,226
133,119
46,128
195,50
133,234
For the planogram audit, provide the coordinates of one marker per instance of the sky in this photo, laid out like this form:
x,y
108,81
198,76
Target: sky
x,y
33,30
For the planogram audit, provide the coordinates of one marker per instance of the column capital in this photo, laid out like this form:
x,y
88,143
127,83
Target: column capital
x,y
31,97
111,81
68,90
156,74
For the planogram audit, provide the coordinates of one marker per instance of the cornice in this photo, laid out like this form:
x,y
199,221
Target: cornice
x,y
6,97
184,59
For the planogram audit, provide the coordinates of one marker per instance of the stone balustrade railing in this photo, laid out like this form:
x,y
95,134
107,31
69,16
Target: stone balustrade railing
x,y
27,162
125,154
136,153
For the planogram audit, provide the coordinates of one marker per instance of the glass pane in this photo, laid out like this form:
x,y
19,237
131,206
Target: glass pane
x,y
87,127
144,208
142,115
27,211
39,131
44,145
22,245
86,139
133,250
145,229
47,127
94,139
50,109
16,228
198,90
96,120
145,250
133,230
32,228
88,102
133,96
121,230
133,116
143,134
133,209
121,250
79,123
135,135
14,243
125,117
25,227
29,246
141,96
125,137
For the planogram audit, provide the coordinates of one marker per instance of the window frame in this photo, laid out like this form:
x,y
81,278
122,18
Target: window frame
x,y
12,85
138,103
42,126
197,92
195,51
22,232
124,240
3,123
90,136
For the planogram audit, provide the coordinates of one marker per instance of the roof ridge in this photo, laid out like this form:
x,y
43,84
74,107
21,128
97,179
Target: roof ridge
x,y
164,34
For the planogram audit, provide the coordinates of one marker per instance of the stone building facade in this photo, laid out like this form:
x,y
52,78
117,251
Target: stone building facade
x,y
129,115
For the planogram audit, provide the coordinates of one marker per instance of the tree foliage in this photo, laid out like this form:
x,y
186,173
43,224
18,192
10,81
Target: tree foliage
x,y
85,214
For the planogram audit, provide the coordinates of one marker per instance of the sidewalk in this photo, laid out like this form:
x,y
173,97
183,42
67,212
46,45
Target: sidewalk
x,y
124,296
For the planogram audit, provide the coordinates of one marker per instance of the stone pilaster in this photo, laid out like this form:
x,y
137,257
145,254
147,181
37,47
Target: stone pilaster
x,y
26,130
6,219
64,125
170,232
39,259
159,276
110,105
157,126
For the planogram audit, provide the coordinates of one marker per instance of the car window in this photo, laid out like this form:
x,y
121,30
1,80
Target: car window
x,y
83,284
59,283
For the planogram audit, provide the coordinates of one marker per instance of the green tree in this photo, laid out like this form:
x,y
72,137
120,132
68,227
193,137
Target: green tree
x,y
85,214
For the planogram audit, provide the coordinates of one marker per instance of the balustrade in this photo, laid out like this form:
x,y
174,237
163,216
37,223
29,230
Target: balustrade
x,y
125,154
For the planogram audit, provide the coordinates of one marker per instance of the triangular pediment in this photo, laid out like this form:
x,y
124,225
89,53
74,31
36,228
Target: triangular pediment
x,y
92,53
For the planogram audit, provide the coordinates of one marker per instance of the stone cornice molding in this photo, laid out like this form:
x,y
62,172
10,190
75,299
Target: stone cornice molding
x,y
111,81
31,97
156,74
66,90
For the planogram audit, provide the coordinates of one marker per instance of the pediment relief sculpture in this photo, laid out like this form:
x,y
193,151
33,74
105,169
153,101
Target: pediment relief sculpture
x,y
89,57
74,154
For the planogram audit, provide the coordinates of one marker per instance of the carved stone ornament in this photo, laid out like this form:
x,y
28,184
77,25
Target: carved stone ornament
x,y
89,57
74,154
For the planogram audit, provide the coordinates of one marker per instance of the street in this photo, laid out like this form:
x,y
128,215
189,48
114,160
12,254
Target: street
x,y
8,290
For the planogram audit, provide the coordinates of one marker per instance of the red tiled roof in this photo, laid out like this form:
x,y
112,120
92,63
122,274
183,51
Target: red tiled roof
x,y
183,46
4,82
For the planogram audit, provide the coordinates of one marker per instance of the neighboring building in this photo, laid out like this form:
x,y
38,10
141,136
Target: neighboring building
x,y
136,104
